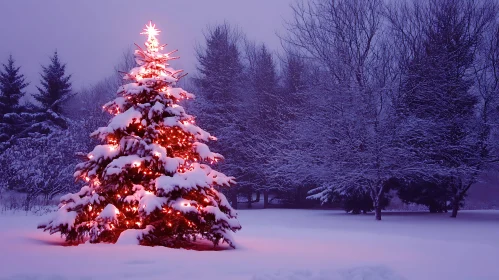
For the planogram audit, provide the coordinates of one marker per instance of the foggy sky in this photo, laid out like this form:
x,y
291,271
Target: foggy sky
x,y
91,35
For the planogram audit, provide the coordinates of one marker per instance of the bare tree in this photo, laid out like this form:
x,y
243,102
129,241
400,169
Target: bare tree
x,y
348,39
125,64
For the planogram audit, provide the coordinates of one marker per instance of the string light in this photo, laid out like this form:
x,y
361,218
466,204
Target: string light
x,y
153,83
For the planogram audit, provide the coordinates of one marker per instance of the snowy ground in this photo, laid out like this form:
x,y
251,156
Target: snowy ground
x,y
275,245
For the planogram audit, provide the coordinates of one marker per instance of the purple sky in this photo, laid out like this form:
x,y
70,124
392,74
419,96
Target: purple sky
x,y
91,35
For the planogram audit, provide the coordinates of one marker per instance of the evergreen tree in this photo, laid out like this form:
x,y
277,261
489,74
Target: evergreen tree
x,y
264,73
148,175
265,103
221,102
438,103
55,85
291,159
220,64
433,194
294,73
12,84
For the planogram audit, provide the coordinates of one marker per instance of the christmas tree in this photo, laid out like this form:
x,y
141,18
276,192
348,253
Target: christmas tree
x,y
147,178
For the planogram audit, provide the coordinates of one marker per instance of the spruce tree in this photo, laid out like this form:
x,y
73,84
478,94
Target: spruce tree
x,y
265,104
221,101
55,85
264,76
220,64
147,178
294,72
12,85
438,101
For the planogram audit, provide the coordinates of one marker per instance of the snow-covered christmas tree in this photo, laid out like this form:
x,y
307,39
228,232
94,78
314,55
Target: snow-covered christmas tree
x,y
147,178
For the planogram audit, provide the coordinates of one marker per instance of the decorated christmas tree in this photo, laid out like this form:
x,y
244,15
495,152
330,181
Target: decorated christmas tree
x,y
148,178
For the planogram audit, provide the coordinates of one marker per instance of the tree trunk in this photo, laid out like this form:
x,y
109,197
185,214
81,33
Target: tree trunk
x,y
265,199
257,197
233,196
455,207
377,199
456,202
27,203
250,201
377,212
298,198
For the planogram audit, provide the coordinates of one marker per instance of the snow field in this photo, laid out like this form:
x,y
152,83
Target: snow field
x,y
275,245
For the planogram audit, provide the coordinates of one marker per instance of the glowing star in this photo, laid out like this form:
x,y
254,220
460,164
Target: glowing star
x,y
150,31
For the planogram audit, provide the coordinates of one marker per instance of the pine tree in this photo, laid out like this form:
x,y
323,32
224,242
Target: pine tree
x,y
148,174
220,64
265,104
438,101
221,100
55,85
294,73
292,159
12,84
264,76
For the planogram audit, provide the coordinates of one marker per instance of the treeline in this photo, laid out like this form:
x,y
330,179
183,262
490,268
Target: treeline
x,y
42,137
367,100
35,137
